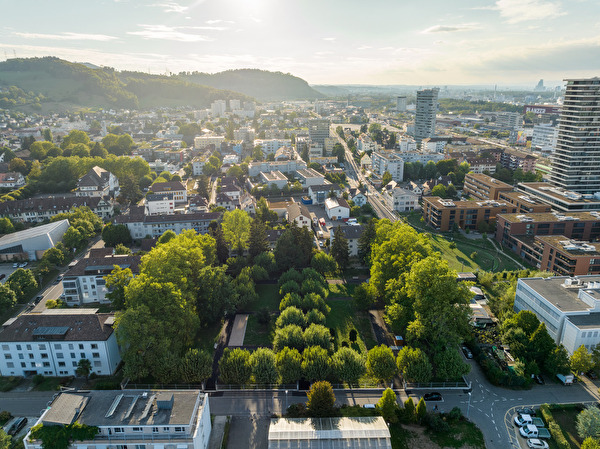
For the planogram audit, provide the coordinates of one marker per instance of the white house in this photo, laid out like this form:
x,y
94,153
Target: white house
x,y
270,146
98,182
157,204
337,208
310,177
570,307
177,188
141,225
232,191
358,197
275,178
136,419
401,200
53,342
11,180
298,213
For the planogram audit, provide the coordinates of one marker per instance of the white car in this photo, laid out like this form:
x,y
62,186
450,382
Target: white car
x,y
536,443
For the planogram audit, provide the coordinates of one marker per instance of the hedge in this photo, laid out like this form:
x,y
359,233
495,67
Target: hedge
x,y
555,430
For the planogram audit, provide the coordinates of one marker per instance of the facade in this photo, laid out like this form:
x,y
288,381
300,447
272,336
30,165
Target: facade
x,y
508,120
364,143
275,178
318,130
443,214
513,160
382,162
225,201
37,210
401,200
198,165
11,180
32,243
570,308
329,433
156,204
319,193
352,234
85,282
484,187
358,197
576,160
176,188
232,191
152,419
205,142
310,177
524,203
287,166
544,137
560,199
337,208
270,146
299,214
425,114
53,342
98,183
155,225
576,225
401,104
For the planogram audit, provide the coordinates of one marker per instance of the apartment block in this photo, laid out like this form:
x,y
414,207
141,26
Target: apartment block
x,y
560,199
484,187
443,214
524,203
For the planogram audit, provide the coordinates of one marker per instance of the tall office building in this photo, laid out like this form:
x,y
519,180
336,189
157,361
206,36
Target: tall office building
x,y
401,104
425,114
318,130
576,160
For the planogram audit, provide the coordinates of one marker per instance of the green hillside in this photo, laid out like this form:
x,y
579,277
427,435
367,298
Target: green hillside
x,y
260,84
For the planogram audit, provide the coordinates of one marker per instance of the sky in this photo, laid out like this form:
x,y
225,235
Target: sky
x,y
382,42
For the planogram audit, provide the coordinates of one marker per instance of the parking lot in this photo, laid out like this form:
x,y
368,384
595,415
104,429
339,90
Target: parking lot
x,y
6,269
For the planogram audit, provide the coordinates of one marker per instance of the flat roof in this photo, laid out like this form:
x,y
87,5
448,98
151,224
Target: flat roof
x,y
19,236
488,180
523,198
564,196
441,202
563,298
571,246
590,321
124,407
328,428
539,217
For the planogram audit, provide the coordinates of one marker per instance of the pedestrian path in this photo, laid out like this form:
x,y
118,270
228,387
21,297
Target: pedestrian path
x,y
239,330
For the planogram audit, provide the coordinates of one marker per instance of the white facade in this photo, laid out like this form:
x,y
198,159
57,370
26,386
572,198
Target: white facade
x,y
380,163
176,188
310,177
364,143
156,225
52,343
254,168
508,120
202,142
274,178
422,157
218,108
544,137
570,308
336,209
401,200
426,109
159,204
270,146
198,166
405,145
11,180
315,150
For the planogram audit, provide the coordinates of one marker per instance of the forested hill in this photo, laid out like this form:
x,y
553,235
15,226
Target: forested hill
x,y
260,84
62,84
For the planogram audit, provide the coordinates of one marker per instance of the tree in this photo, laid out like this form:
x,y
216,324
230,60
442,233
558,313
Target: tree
x,y
291,315
366,240
54,256
590,443
409,410
581,360
289,336
315,363
525,319
339,249
6,226
348,365
318,335
293,248
421,410
386,178
116,282
321,400
221,245
414,365
84,368
439,190
122,250
388,405
324,263
235,367
257,240
196,366
541,344
449,364
315,316
289,365
381,364
74,137
588,423
23,283
264,367
114,234
236,229
18,165
557,361
7,298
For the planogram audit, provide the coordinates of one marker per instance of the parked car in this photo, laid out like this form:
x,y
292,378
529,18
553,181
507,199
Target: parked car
x,y
467,352
23,264
16,265
58,279
16,427
538,379
536,443
37,299
526,411
432,396
590,374
2,276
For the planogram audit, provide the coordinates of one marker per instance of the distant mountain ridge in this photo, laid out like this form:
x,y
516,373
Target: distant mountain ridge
x,y
260,84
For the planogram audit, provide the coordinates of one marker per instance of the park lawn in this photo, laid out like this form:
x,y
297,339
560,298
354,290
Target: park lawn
x,y
341,290
343,317
268,296
207,337
565,416
258,334
460,433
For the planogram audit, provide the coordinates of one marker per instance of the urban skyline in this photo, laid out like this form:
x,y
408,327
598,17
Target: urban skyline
x,y
505,42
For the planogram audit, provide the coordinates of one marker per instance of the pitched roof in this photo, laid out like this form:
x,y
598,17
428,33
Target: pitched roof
x,y
95,177
350,232
100,263
199,216
295,210
167,186
63,203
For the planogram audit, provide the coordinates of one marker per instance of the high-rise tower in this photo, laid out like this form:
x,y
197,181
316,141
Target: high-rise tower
x,y
425,114
576,160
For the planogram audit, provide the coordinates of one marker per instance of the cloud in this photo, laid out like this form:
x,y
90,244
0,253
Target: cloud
x,y
515,11
364,47
451,28
215,21
329,39
171,7
68,36
163,32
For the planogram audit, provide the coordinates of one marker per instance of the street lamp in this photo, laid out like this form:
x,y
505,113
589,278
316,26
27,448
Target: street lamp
x,y
286,392
469,405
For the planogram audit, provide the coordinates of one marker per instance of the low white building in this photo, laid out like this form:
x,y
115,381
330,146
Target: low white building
x,y
401,200
299,214
310,177
270,146
275,178
31,244
177,188
285,166
135,419
53,342
358,197
141,225
158,204
570,307
337,208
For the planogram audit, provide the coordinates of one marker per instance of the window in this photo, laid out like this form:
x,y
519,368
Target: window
x,y
70,345
119,430
136,429
42,347
7,356
166,429
46,364
23,364
73,355
179,429
44,355
96,355
83,355
97,363
5,347
21,356
62,364
10,365
94,346
57,346
33,364
80,346
18,347
60,355
155,430
30,356
74,363
28,347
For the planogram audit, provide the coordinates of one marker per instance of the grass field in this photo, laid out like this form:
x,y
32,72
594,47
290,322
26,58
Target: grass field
x,y
343,318
268,296
8,383
462,433
565,416
206,337
258,334
341,290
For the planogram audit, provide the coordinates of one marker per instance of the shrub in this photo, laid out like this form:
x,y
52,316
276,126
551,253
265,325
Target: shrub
x,y
263,316
435,423
38,379
353,335
5,416
455,414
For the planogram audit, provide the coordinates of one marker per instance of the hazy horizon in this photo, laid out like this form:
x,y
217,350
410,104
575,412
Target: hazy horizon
x,y
385,43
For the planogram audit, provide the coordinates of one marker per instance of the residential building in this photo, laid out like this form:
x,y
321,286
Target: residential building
x,y
434,144
358,197
443,214
98,183
225,201
299,214
232,191
524,203
561,200
275,178
177,188
139,419
285,166
159,204
318,130
37,210
197,204
513,160
11,180
576,225
569,307
420,156
248,203
365,143
388,162
426,110
310,177
508,120
352,233
318,193
141,225
32,243
53,342
484,187
366,162
337,208
544,137
360,433
246,134
218,108
576,160
208,142
401,104
315,151
270,146
481,165
401,200
85,282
